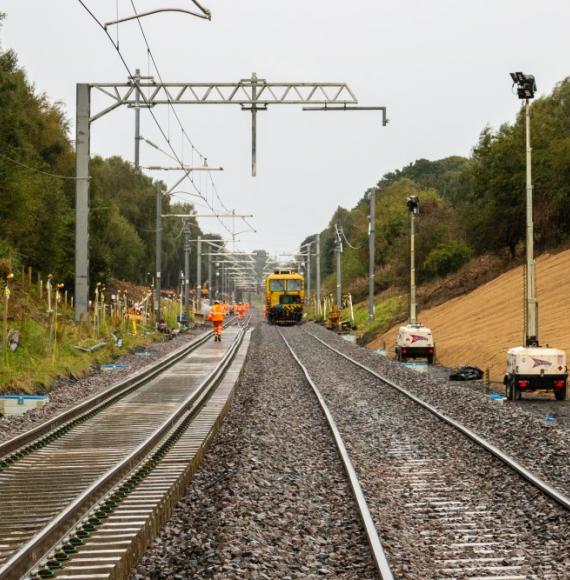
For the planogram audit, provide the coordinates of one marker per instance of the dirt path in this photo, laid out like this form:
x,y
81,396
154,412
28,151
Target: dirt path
x,y
479,327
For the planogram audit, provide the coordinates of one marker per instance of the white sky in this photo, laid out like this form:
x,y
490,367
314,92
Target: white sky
x,y
440,66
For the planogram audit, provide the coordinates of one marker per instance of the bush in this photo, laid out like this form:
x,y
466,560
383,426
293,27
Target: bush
x,y
9,259
447,258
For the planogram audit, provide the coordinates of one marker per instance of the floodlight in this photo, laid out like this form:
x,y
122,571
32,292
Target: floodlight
x,y
413,204
526,85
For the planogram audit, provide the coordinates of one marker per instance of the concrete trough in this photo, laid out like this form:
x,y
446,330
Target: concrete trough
x,y
20,404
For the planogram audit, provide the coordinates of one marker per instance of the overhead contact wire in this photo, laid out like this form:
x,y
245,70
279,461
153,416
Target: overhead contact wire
x,y
145,99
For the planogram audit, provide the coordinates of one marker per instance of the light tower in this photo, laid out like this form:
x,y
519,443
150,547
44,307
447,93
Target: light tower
x,y
414,340
531,367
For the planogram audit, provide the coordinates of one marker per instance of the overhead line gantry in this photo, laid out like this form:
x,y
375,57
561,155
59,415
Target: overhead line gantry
x,y
253,94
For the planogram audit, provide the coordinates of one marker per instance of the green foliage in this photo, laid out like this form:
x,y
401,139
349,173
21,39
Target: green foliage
x,y
438,224
447,258
444,175
32,368
385,311
37,211
10,260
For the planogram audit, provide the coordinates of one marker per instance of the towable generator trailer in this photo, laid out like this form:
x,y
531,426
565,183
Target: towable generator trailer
x,y
535,368
415,341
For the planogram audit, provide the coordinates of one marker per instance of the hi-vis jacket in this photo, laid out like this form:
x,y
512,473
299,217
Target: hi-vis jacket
x,y
216,313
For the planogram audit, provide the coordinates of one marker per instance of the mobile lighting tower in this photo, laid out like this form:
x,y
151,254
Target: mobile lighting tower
x,y
414,340
531,367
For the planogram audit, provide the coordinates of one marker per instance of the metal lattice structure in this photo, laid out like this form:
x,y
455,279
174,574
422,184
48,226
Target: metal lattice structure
x,y
138,92
251,92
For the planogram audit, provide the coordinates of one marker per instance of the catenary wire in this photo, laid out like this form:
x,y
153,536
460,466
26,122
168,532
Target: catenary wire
x,y
36,170
159,126
170,103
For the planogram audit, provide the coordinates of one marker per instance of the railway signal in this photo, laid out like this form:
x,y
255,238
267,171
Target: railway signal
x,y
530,366
414,340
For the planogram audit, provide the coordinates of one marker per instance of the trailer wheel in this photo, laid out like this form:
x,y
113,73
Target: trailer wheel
x,y
430,359
560,394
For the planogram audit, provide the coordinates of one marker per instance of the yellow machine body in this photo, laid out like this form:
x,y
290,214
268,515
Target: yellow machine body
x,y
284,297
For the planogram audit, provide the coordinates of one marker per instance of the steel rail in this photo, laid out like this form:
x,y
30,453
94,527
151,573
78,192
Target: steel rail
x,y
378,553
547,489
92,404
36,549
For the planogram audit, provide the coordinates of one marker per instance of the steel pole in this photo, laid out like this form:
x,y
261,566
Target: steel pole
x,y
187,273
318,252
210,293
199,274
158,252
82,146
372,255
137,80
253,125
338,276
309,273
531,338
413,268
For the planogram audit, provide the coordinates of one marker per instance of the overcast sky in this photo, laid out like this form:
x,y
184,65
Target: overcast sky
x,y
441,67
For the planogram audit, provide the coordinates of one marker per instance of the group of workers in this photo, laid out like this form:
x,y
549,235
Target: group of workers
x,y
220,310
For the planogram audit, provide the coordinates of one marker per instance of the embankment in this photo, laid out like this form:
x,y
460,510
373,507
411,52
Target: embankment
x,y
480,326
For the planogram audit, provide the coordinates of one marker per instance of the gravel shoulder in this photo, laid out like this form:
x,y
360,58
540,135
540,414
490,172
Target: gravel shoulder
x,y
68,392
271,498
537,403
542,449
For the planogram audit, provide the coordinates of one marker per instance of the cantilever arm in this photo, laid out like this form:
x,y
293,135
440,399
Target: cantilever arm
x,y
205,14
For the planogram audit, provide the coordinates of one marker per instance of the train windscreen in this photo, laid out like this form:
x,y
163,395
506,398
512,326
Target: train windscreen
x,y
294,285
277,285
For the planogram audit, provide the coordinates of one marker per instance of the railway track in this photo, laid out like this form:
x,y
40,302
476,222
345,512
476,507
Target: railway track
x,y
84,494
447,504
377,550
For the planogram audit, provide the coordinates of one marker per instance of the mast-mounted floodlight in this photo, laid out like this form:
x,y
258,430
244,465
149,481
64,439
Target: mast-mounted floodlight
x,y
414,340
413,204
526,85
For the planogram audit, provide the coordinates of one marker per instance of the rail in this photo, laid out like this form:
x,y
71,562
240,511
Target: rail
x,y
379,557
36,549
557,496
24,443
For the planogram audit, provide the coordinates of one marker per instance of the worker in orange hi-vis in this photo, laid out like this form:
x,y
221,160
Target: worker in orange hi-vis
x,y
226,307
234,308
216,315
240,311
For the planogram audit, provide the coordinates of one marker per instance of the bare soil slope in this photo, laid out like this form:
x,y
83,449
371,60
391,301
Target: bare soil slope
x,y
479,327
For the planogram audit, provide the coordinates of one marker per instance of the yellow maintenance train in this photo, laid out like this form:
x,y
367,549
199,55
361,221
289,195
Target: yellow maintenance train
x,y
284,297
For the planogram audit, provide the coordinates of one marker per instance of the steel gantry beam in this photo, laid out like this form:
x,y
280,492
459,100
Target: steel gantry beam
x,y
252,94
246,92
